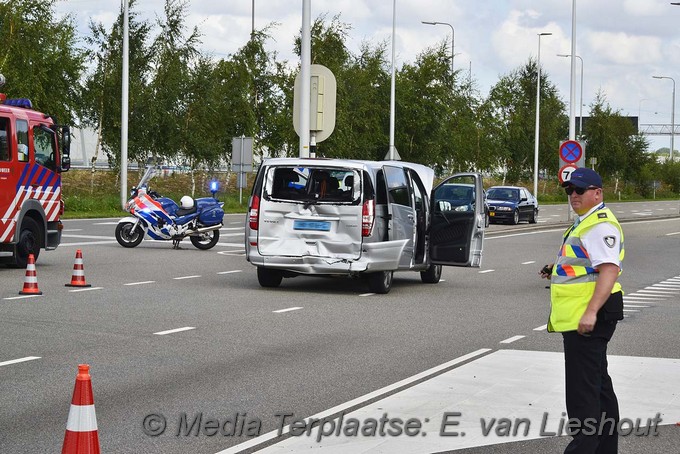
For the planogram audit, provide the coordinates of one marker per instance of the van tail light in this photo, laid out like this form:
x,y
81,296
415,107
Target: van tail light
x,y
254,213
367,217
62,207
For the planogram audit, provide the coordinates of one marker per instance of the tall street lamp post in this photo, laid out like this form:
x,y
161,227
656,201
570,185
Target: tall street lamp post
x,y
670,154
453,34
538,107
580,112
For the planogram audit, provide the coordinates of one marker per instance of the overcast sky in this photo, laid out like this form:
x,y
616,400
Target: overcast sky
x,y
623,43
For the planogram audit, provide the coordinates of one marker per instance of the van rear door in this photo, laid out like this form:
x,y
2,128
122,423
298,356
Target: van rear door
x,y
311,211
456,234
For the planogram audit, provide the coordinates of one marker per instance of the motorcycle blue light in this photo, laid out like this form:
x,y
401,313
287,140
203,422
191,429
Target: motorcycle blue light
x,y
214,186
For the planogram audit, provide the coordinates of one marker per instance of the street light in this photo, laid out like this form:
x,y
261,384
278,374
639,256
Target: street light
x,y
538,106
580,112
453,34
670,154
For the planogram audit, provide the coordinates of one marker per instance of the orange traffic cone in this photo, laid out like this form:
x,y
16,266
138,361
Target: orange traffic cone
x,y
31,279
78,276
81,429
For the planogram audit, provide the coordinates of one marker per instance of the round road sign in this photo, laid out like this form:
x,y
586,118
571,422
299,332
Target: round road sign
x,y
570,151
565,172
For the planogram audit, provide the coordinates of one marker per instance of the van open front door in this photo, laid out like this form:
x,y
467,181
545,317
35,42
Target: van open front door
x,y
456,233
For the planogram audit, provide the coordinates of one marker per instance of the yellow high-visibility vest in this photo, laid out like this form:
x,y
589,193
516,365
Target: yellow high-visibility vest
x,y
573,278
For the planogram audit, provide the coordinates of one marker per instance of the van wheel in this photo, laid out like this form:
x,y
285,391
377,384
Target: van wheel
x,y
269,278
380,282
432,274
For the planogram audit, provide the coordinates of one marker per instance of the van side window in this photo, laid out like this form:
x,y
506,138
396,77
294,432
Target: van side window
x,y
381,194
397,189
369,192
43,142
4,139
22,140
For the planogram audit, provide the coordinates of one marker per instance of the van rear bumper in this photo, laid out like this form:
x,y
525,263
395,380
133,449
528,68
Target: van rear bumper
x,y
383,256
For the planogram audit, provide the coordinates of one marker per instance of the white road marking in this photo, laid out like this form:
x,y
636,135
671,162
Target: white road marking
x,y
20,297
88,243
230,272
281,311
239,245
661,293
19,360
656,287
512,339
486,271
634,305
176,330
504,384
186,277
630,310
355,402
541,328
224,229
140,283
87,289
673,233
529,262
89,237
367,294
72,230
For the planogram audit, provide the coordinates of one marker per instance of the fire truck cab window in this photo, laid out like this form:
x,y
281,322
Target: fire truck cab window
x,y
43,143
4,143
22,140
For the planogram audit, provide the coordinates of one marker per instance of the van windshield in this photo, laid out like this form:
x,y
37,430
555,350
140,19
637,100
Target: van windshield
x,y
311,185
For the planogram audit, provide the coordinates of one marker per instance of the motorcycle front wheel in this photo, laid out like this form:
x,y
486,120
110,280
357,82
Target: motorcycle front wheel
x,y
126,237
205,240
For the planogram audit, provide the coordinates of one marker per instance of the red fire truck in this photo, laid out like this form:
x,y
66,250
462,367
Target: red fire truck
x,y
34,151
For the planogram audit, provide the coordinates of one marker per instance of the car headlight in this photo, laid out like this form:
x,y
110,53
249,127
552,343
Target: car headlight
x,y
461,208
503,209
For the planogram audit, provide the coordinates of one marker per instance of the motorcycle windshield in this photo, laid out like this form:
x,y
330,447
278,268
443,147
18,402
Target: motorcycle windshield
x,y
148,175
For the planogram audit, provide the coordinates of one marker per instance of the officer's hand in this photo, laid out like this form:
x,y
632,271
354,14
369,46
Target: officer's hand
x,y
546,271
587,323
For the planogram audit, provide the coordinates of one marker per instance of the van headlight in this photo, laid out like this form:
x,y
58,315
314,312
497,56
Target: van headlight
x,y
462,208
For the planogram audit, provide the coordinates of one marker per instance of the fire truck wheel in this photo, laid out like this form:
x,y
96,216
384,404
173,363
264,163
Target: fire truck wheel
x,y
30,239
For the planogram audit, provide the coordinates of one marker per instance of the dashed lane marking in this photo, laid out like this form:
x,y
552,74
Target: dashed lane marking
x,y
541,328
186,277
87,289
281,311
176,330
512,339
230,272
19,360
140,283
20,297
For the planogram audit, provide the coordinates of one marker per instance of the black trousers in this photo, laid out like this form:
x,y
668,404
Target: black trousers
x,y
589,390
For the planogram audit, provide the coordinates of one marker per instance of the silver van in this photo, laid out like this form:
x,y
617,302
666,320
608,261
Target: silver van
x,y
367,219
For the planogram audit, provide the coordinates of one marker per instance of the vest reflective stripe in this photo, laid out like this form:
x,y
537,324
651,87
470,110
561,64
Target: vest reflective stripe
x,y
573,279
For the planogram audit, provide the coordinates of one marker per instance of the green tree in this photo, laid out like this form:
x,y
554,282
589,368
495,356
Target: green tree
x,y
102,88
40,58
513,103
613,140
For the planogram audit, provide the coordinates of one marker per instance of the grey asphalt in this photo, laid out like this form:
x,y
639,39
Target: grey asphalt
x,y
243,357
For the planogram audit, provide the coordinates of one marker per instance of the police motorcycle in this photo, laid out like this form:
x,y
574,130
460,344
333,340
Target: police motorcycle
x,y
161,218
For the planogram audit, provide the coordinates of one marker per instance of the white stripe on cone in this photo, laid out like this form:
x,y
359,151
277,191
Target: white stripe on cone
x,y
81,418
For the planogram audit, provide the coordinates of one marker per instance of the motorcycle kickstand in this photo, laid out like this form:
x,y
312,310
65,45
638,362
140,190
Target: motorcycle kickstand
x,y
175,244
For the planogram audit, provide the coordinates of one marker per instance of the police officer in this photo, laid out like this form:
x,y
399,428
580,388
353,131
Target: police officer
x,y
586,303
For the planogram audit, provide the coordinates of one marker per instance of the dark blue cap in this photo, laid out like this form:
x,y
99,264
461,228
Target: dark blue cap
x,y
583,177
